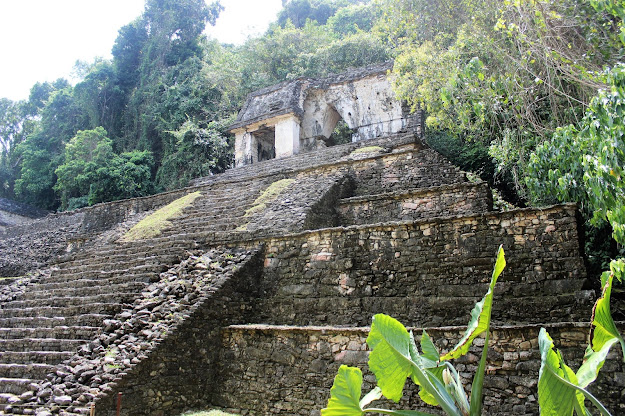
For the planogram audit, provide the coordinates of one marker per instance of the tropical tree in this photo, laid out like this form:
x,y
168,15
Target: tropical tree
x,y
93,173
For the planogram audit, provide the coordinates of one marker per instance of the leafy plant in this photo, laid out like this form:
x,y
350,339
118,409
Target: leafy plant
x,y
395,357
586,163
562,391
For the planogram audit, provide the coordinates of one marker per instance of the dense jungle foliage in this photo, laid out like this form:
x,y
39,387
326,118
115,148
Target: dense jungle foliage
x,y
526,93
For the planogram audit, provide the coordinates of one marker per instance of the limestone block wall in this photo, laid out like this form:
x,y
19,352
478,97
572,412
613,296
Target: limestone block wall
x,y
401,171
442,201
289,370
427,273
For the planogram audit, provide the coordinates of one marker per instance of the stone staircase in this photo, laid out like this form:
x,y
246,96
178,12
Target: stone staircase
x,y
383,226
46,324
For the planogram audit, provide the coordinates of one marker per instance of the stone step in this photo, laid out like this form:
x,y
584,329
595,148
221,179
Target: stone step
x,y
201,226
34,357
40,344
90,288
60,311
51,301
224,205
213,218
112,267
57,332
71,301
118,278
92,319
6,398
125,254
93,277
14,385
94,280
33,370
110,254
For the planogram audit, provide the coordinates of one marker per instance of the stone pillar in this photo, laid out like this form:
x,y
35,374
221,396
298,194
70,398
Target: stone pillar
x,y
243,148
287,137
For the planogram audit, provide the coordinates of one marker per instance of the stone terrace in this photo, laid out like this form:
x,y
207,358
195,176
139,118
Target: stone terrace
x,y
383,226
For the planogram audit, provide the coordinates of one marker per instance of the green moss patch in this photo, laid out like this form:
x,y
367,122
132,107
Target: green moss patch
x,y
208,413
270,194
367,149
155,223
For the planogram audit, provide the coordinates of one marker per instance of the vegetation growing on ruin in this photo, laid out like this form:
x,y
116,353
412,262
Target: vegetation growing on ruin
x,y
367,149
395,357
268,195
156,222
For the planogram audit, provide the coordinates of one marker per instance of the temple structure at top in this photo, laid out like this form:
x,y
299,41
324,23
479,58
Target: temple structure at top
x,y
301,115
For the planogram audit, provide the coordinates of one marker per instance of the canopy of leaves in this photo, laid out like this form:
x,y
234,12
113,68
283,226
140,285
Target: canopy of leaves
x,y
166,99
503,73
586,162
93,173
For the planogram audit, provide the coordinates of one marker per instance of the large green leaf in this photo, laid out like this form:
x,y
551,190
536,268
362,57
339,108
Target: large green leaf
x,y
604,329
391,360
345,397
428,348
480,315
399,412
593,361
345,393
554,397
560,392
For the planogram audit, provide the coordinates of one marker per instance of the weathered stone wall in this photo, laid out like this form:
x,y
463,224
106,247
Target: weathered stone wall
x,y
442,201
427,273
367,104
289,370
403,171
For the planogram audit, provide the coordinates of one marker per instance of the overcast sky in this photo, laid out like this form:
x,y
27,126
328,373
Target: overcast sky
x,y
42,39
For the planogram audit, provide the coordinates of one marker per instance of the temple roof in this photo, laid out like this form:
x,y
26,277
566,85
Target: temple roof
x,y
287,97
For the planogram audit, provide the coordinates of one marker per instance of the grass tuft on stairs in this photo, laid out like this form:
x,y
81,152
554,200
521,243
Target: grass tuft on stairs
x,y
152,225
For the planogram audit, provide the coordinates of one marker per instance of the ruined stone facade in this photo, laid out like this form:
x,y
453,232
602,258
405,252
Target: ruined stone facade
x,y
254,295
300,115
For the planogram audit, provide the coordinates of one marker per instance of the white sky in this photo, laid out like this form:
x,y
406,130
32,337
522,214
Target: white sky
x,y
42,39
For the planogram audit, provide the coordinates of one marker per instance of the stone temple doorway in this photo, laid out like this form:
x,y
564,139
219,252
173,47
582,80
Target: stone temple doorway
x,y
265,139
